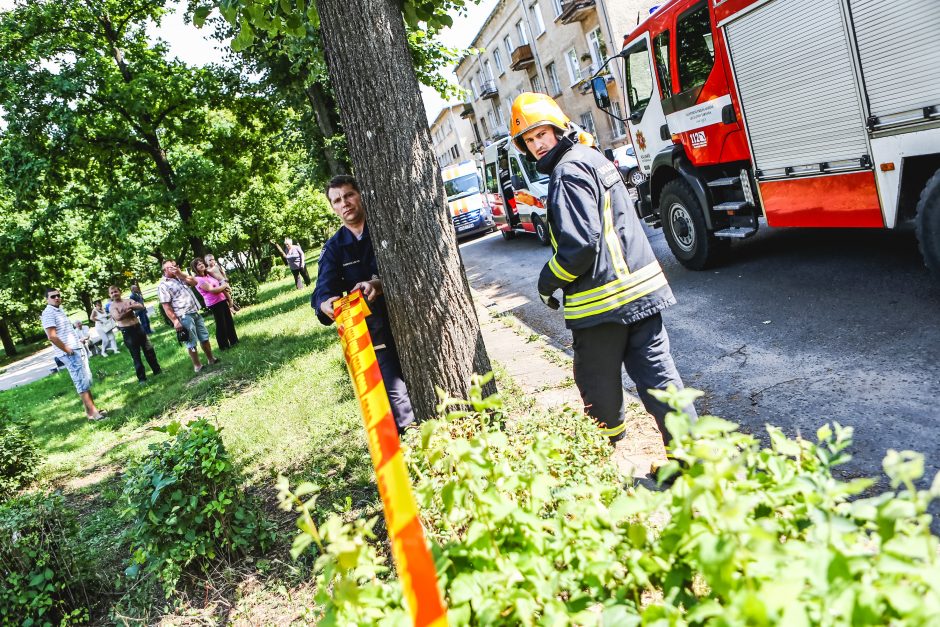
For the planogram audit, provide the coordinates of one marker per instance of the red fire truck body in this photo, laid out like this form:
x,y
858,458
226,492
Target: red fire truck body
x,y
807,113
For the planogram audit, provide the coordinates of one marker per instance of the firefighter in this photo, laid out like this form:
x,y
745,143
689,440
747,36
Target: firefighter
x,y
613,286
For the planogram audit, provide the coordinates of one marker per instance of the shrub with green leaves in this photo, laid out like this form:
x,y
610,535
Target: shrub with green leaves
x,y
244,288
530,524
19,458
186,505
42,568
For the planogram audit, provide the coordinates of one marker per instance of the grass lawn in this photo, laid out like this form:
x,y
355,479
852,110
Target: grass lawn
x,y
282,397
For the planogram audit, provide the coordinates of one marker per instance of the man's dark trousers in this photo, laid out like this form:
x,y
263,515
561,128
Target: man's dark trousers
x,y
643,348
390,366
301,271
135,339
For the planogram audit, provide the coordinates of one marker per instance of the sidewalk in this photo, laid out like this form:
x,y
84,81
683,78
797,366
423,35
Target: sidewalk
x,y
27,370
545,374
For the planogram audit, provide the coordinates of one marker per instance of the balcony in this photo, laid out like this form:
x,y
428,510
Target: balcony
x,y
488,90
522,57
575,10
467,111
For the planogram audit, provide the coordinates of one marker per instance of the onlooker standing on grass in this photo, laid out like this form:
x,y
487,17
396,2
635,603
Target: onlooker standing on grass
x,y
215,269
105,328
213,293
67,348
182,309
141,313
123,312
84,337
296,261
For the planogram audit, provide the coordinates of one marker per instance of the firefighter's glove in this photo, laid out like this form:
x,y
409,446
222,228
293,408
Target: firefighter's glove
x,y
549,300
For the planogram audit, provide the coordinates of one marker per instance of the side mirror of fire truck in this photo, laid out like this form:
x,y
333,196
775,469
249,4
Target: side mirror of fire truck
x,y
601,96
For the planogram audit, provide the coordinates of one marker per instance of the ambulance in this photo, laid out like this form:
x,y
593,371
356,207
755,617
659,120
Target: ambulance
x,y
515,190
468,208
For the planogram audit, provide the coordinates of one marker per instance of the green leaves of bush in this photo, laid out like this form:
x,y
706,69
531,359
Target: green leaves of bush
x,y
531,524
244,288
41,565
19,458
186,505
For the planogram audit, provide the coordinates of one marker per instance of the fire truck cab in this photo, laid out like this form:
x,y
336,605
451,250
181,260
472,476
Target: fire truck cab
x,y
815,113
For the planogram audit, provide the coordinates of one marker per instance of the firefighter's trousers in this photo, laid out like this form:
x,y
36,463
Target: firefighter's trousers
x,y
643,349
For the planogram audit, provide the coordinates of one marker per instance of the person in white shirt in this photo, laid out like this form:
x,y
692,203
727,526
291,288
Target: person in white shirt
x,y
68,349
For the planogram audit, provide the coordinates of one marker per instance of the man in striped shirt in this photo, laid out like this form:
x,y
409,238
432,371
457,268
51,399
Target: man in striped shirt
x,y
68,349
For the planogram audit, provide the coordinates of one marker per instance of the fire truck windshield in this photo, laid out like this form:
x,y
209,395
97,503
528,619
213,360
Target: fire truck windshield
x,y
639,77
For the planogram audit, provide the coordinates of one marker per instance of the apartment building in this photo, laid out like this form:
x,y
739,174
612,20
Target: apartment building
x,y
549,46
451,136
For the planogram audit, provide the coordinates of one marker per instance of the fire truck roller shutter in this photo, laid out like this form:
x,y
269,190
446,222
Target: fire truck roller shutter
x,y
798,87
899,48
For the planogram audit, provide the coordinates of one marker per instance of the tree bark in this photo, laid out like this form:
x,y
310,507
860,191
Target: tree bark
x,y
320,103
9,347
432,314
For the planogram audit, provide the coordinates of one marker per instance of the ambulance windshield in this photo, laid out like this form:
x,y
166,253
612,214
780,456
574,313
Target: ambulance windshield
x,y
462,186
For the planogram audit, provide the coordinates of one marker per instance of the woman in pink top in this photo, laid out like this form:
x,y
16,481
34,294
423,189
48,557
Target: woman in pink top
x,y
213,292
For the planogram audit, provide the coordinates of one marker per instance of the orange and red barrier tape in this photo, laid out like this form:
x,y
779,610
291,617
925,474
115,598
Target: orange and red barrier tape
x,y
413,560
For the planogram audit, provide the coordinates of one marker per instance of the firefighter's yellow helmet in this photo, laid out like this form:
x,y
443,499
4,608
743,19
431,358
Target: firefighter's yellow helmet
x,y
530,110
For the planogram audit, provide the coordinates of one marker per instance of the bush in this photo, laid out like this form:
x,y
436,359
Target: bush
x,y
186,507
19,459
42,567
244,288
530,524
279,272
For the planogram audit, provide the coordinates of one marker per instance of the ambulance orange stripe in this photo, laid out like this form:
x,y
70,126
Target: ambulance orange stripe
x,y
413,560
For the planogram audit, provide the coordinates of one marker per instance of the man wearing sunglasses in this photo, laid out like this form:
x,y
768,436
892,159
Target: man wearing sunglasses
x,y
68,349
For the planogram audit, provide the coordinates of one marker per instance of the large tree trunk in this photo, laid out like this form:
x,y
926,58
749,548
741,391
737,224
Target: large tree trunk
x,y
8,346
432,315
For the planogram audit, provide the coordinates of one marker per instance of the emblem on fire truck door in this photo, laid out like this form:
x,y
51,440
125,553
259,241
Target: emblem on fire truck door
x,y
640,140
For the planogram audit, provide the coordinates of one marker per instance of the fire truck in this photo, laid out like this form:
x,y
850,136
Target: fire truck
x,y
800,113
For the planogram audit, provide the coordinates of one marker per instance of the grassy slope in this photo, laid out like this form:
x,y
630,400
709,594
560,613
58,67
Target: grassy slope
x,y
282,397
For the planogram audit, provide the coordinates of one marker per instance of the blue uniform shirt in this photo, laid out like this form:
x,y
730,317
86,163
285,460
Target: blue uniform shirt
x,y
345,261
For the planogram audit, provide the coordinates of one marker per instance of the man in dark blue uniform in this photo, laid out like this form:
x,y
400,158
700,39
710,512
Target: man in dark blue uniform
x,y
347,263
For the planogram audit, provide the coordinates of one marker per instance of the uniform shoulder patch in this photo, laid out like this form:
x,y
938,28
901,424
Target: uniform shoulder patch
x,y
608,174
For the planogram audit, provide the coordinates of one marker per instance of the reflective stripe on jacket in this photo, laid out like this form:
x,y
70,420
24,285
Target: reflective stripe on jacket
x,y
602,259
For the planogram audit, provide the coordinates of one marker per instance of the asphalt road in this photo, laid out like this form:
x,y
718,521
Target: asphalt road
x,y
799,328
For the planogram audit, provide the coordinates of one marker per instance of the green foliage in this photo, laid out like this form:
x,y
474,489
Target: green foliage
x,y
43,569
186,505
244,288
530,524
19,458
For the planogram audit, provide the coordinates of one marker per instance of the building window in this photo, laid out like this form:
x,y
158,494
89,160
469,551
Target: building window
x,y
487,70
536,12
483,125
557,6
537,84
597,48
587,123
520,32
574,68
617,110
473,89
554,85
498,60
507,42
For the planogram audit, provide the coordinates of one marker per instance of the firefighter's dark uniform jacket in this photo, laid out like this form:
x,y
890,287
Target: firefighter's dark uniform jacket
x,y
602,259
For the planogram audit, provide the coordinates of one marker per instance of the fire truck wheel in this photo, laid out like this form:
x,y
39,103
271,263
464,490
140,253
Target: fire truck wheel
x,y
684,227
927,224
541,231
508,234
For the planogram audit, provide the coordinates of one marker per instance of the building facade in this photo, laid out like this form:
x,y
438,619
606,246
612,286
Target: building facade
x,y
451,136
548,46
